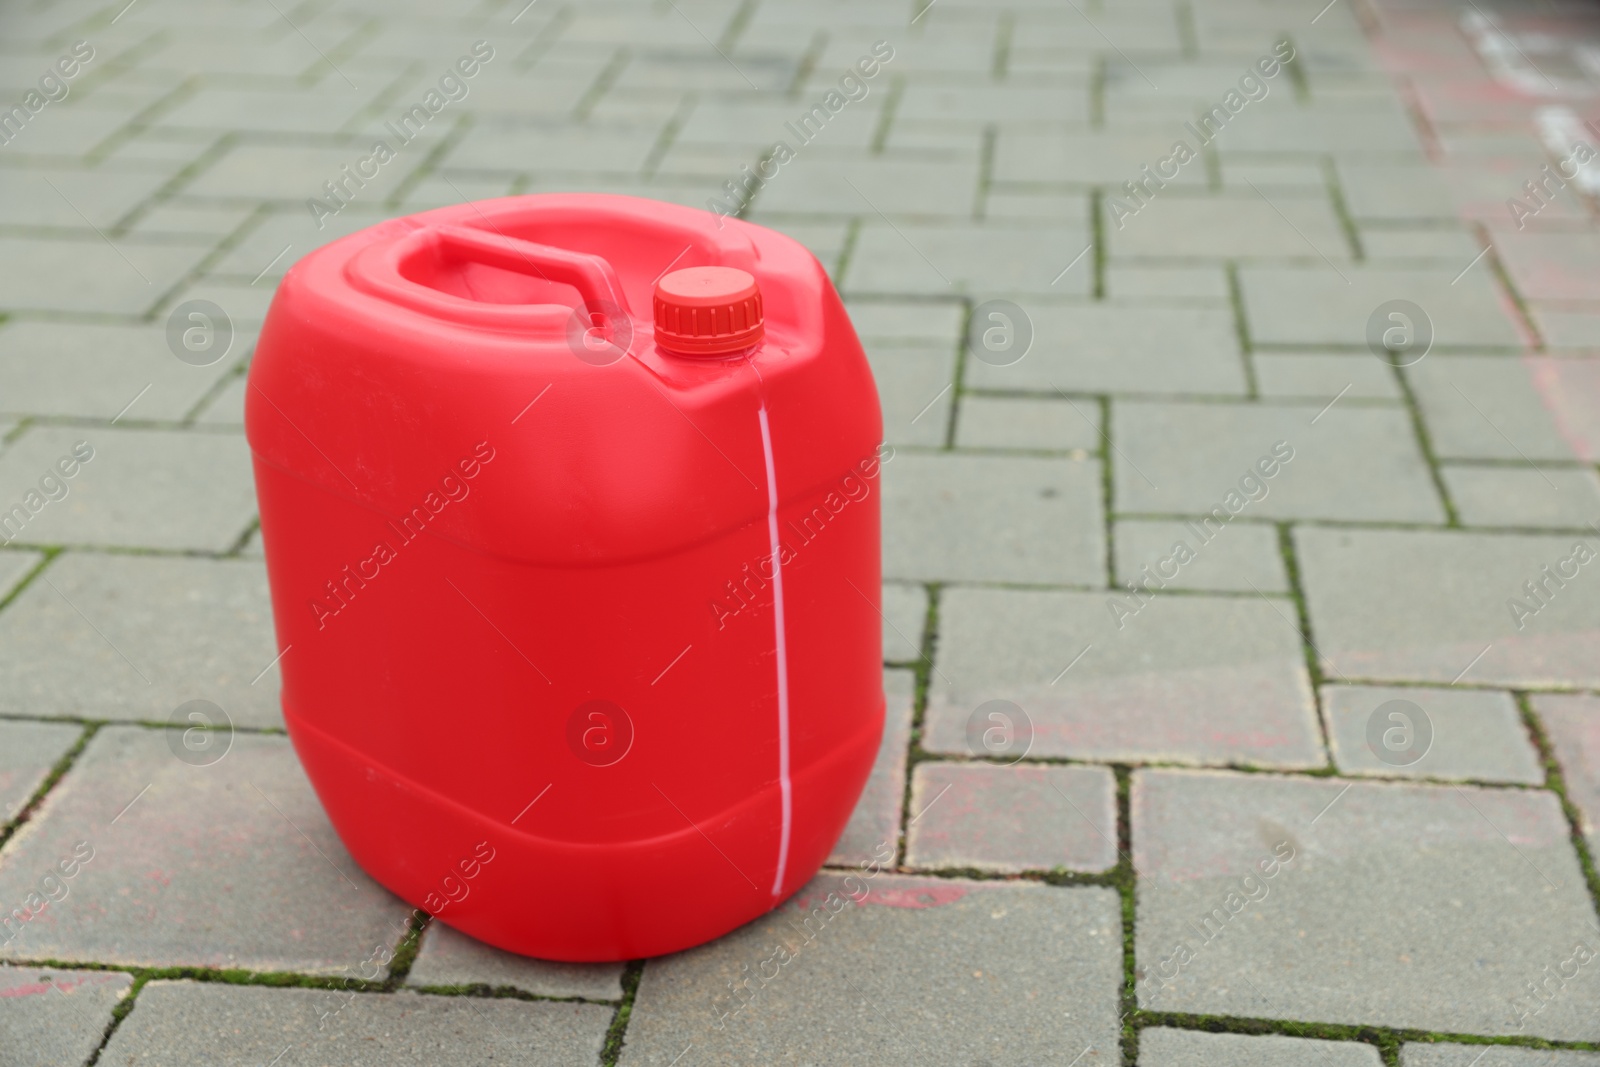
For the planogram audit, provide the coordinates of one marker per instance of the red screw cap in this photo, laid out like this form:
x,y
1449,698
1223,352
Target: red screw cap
x,y
708,311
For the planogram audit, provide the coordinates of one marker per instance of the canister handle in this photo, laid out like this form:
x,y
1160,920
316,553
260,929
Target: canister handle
x,y
592,276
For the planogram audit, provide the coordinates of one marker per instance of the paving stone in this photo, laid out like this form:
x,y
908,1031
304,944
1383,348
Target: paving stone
x,y
1304,305
1207,284
1551,266
1161,1047
1569,389
1233,226
915,389
448,957
1113,348
1009,819
1446,597
1387,904
141,488
1523,495
226,408
858,184
554,146
40,1030
14,566
904,322
1451,246
124,278
1486,407
1311,376
61,368
1380,129
1394,192
1018,423
978,105
1272,175
1567,326
66,198
1107,158
195,220
1054,205
231,864
1188,459
753,124
28,750
1186,679
934,970
1246,560
947,259
1445,1055
1472,734
1572,726
905,614
874,828
954,517
144,634
292,173
212,1022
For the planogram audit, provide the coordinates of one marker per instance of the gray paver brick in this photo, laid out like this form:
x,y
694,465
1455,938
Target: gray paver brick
x,y
126,277
1446,606
1314,377
294,173
1019,423
1295,305
1483,407
1353,463
228,865
450,958
58,368
1011,819
27,752
1572,725
1523,496
1235,226
190,629
1203,284
914,389
211,1022
903,322
14,566
1246,560
1446,1055
814,183
54,197
141,489
41,1030
1162,1047
1475,734
1551,266
874,827
951,258
905,614
934,970
962,517
1086,158
1109,348
1402,905
1188,679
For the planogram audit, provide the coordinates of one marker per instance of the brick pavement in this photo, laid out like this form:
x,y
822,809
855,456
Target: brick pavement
x,y
1274,552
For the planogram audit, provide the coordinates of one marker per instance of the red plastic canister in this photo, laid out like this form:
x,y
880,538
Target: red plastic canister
x,y
569,505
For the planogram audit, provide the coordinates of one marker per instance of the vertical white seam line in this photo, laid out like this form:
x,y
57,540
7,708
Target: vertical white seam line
x,y
784,786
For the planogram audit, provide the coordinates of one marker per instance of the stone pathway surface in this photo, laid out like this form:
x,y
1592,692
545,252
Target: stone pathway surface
x,y
1241,359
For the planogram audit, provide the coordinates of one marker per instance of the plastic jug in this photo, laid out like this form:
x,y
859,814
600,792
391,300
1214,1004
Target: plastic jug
x,y
572,531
